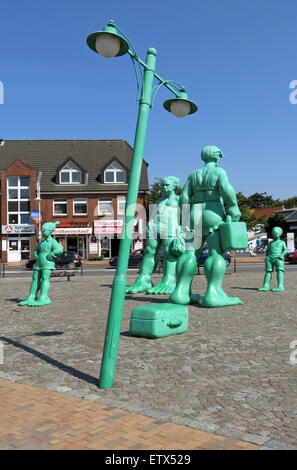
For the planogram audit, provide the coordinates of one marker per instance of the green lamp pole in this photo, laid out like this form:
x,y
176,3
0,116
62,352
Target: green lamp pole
x,y
113,42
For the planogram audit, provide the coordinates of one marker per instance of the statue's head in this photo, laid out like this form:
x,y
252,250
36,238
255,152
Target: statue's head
x,y
277,232
211,153
169,183
49,227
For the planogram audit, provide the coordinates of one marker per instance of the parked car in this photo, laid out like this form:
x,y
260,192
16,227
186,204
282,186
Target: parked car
x,y
135,258
204,255
68,259
291,257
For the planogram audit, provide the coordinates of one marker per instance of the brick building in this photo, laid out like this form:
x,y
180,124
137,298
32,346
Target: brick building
x,y
81,183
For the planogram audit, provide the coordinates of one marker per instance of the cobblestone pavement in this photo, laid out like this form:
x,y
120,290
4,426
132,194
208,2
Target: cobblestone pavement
x,y
229,374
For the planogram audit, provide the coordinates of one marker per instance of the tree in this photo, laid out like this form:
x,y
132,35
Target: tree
x,y
247,214
289,203
259,200
276,220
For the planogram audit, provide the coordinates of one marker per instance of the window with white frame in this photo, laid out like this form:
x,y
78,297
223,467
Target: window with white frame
x,y
121,205
18,200
70,174
80,206
60,207
105,207
114,173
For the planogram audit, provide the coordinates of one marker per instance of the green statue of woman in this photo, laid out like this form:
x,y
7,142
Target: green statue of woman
x,y
210,187
161,230
45,254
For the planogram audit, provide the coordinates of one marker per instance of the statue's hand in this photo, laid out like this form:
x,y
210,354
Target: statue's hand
x,y
49,257
235,213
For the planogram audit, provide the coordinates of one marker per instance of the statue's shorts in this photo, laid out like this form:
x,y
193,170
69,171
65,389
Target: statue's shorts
x,y
271,263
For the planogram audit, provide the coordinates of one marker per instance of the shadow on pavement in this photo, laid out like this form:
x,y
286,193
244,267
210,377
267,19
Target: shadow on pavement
x,y
244,288
70,370
153,299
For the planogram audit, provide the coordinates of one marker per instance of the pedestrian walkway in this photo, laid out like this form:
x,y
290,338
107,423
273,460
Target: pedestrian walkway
x,y
38,419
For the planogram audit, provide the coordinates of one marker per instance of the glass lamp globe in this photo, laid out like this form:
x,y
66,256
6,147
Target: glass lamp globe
x,y
107,45
180,108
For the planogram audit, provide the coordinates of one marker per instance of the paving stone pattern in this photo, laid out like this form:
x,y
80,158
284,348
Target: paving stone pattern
x,y
230,374
39,419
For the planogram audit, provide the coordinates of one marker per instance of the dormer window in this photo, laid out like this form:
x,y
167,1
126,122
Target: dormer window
x,y
70,174
114,173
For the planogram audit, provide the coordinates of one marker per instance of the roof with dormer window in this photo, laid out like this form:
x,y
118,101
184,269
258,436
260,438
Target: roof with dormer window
x,y
91,156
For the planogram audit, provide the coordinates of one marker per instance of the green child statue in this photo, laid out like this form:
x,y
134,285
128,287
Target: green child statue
x,y
45,253
275,253
161,230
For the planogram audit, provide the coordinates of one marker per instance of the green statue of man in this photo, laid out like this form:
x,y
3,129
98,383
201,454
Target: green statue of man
x,y
161,230
45,253
275,253
210,187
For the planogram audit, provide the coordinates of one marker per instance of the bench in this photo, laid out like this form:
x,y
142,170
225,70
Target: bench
x,y
63,273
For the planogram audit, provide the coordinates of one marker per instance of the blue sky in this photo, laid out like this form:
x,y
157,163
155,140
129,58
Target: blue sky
x,y
236,60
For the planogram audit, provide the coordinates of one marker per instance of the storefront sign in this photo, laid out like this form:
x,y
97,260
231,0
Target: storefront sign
x,y
290,242
108,226
138,245
73,223
73,231
36,216
93,248
8,229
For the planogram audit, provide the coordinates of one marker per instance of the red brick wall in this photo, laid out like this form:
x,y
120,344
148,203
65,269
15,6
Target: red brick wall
x,y
266,211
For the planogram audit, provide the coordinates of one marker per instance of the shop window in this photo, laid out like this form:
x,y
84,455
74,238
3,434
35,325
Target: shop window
x,y
18,197
13,219
70,174
80,207
115,173
121,205
105,207
60,207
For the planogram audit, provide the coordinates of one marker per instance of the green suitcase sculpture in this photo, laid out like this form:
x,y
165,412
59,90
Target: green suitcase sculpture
x,y
159,320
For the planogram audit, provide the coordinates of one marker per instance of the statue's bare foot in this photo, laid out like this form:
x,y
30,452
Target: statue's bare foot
x,y
41,301
166,287
218,298
180,296
142,284
264,289
278,289
27,301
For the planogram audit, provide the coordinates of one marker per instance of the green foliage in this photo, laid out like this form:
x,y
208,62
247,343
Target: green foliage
x,y
96,257
260,200
247,215
157,192
289,203
276,220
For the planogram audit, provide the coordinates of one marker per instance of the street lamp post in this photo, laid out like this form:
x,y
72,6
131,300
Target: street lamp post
x,y
38,199
113,42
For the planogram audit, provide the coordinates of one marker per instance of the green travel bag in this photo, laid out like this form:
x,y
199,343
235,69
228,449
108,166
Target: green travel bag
x,y
159,320
233,235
